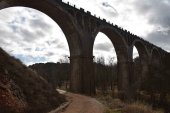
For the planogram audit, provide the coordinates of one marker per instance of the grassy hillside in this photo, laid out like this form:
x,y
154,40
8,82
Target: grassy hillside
x,y
23,90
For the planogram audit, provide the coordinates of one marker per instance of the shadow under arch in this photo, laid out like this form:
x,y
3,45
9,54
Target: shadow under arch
x,y
142,64
104,64
66,23
56,13
141,48
155,57
121,49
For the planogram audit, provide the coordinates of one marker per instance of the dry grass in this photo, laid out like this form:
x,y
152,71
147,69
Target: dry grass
x,y
118,106
133,108
139,108
111,102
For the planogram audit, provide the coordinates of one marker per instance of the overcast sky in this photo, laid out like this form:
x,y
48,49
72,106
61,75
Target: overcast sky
x,y
34,37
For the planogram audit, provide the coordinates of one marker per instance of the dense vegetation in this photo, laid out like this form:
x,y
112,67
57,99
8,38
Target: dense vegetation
x,y
153,88
55,73
23,90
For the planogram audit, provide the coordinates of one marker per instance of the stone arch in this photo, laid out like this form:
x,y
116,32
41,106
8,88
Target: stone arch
x,y
121,49
117,40
143,53
66,23
143,62
57,13
110,44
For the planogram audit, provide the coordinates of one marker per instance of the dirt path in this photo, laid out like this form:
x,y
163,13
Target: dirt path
x,y
83,104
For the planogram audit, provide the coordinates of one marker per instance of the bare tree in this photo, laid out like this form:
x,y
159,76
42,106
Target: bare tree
x,y
64,59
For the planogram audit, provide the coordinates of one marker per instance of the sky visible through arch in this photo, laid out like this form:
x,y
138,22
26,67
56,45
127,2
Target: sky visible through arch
x,y
33,37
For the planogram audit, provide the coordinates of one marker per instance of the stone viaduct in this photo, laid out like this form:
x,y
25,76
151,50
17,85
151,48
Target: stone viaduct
x,y
80,29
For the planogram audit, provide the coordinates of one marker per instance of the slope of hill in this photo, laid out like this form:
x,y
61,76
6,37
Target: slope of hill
x,y
22,90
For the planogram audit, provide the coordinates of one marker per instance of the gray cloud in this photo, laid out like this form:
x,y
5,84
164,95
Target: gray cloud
x,y
161,39
19,32
103,47
60,46
158,14
40,33
39,49
53,41
156,10
40,24
27,49
50,54
57,44
4,34
30,36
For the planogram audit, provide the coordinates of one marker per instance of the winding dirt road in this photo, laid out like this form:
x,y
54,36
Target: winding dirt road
x,y
83,104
